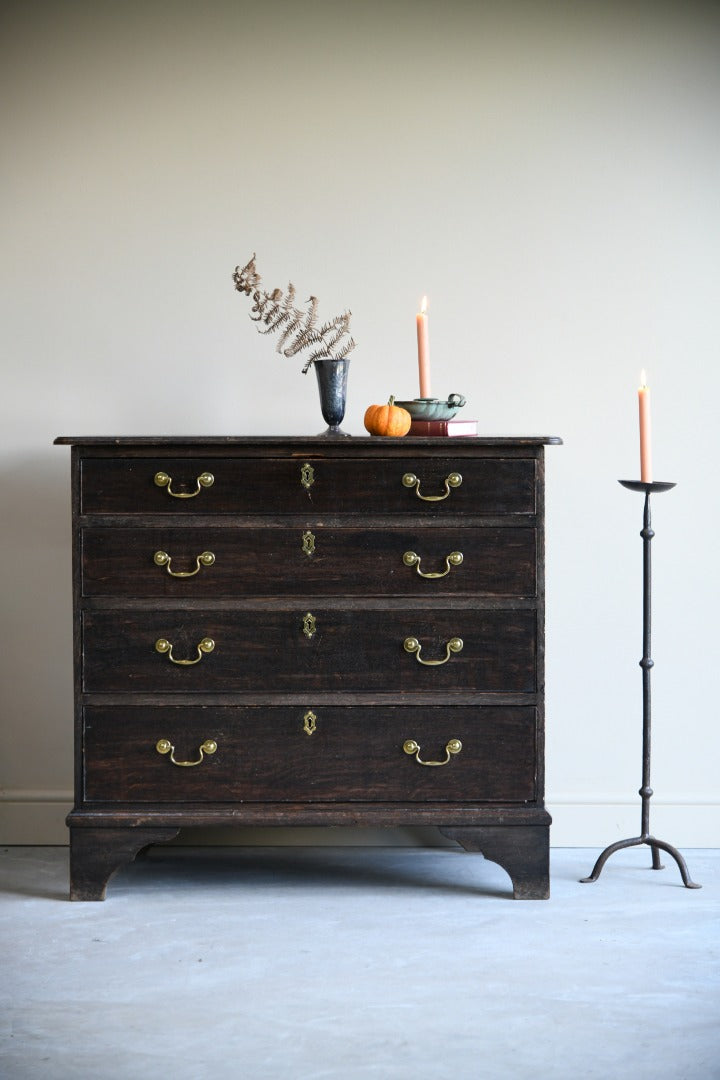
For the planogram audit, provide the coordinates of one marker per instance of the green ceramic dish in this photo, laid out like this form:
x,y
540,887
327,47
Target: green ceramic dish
x,y
433,408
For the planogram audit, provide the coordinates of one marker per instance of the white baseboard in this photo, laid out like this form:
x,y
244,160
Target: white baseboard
x,y
33,817
684,821
30,817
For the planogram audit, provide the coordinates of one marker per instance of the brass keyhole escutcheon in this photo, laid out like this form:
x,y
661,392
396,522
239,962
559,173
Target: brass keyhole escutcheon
x,y
307,476
309,625
308,543
309,722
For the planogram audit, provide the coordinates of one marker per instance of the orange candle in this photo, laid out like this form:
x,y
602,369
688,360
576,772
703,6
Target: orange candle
x,y
645,444
423,349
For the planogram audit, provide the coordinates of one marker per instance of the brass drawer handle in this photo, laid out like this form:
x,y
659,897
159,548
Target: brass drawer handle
x,y
164,746
410,480
412,748
161,558
204,480
162,645
453,559
412,645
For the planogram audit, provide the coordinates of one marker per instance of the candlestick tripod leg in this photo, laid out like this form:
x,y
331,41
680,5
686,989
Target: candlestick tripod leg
x,y
605,855
682,865
655,845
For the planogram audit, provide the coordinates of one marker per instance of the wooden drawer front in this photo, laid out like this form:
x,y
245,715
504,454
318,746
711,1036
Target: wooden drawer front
x,y
339,485
265,755
301,561
268,650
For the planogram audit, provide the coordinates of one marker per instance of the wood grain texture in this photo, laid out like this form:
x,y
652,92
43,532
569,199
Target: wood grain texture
x,y
354,754
352,485
523,851
356,651
271,560
97,853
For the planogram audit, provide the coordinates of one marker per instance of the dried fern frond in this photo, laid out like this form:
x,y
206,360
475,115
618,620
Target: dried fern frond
x,y
246,279
339,352
276,312
303,329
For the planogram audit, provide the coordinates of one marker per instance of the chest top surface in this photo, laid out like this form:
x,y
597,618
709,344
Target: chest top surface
x,y
277,441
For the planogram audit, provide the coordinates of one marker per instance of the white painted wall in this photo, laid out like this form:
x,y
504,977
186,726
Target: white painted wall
x,y
547,173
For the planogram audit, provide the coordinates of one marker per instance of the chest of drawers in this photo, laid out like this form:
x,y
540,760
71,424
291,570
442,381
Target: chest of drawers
x,y
293,631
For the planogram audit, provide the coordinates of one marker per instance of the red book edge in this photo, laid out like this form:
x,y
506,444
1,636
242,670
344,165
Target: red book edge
x,y
443,427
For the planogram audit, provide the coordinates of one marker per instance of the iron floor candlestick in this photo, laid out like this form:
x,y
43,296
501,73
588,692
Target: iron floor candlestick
x,y
646,664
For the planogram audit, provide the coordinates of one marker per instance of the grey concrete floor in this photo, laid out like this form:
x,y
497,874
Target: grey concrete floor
x,y
358,964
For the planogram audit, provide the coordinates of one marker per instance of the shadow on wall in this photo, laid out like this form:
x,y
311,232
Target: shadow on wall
x,y
36,657
320,836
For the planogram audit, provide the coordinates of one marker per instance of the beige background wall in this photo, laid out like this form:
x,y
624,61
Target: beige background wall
x,y
547,173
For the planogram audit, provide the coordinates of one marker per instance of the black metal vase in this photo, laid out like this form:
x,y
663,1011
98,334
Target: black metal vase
x,y
332,378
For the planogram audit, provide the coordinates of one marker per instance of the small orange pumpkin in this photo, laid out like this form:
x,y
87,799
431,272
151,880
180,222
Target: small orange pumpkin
x,y
387,419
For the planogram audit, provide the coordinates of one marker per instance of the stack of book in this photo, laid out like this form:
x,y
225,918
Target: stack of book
x,y
443,427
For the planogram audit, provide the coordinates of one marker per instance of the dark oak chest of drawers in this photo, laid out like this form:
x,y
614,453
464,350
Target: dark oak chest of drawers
x,y
293,631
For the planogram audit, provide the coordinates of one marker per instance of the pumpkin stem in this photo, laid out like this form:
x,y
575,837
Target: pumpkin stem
x,y
392,399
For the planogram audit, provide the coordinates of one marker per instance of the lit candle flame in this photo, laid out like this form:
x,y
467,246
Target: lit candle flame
x,y
643,380
423,306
